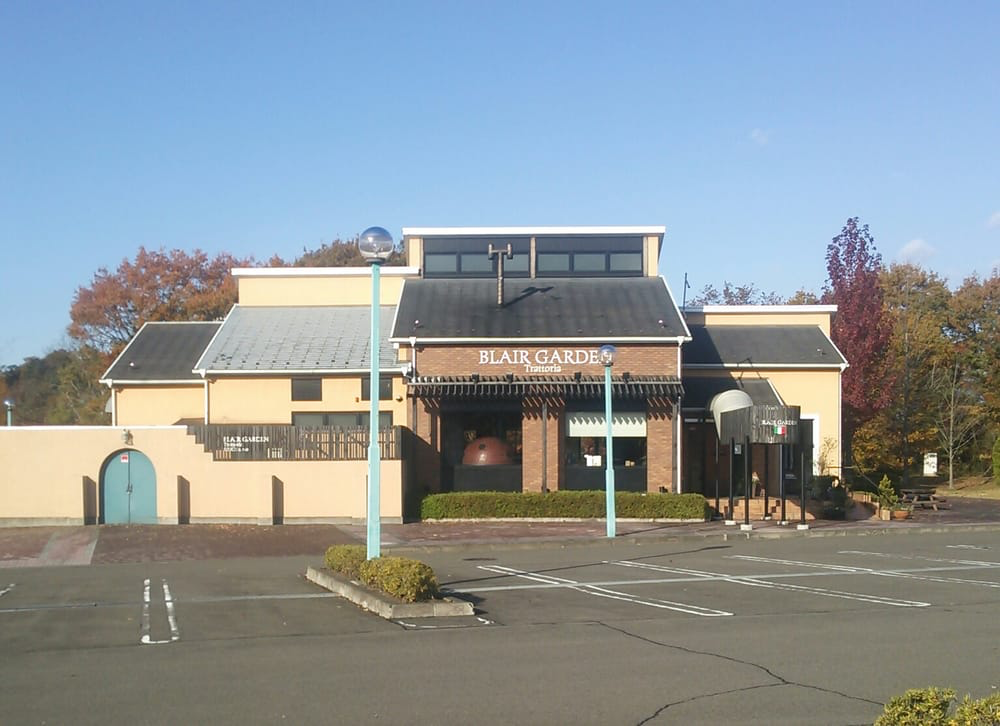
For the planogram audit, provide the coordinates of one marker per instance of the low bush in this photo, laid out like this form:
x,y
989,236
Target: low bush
x,y
569,504
346,559
409,580
984,712
930,707
918,707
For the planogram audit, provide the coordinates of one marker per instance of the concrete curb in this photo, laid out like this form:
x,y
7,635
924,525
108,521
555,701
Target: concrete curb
x,y
557,542
382,605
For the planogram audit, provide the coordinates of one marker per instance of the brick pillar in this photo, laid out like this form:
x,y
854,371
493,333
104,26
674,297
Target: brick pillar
x,y
660,464
428,447
532,444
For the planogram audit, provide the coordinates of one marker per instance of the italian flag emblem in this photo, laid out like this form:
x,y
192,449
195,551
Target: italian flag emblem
x,y
780,430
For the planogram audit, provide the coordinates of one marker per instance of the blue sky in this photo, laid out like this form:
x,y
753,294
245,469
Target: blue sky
x,y
751,130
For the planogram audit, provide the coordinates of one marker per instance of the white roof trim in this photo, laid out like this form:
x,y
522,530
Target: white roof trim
x,y
304,372
760,309
112,382
530,231
196,368
673,301
762,367
384,271
503,341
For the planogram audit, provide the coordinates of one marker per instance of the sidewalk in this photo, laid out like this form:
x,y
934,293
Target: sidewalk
x,y
79,545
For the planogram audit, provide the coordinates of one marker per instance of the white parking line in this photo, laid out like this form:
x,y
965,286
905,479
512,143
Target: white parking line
x,y
175,633
597,591
7,589
848,569
944,560
760,581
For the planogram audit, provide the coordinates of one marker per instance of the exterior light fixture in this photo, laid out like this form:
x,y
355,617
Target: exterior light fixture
x,y
606,355
375,245
127,437
9,405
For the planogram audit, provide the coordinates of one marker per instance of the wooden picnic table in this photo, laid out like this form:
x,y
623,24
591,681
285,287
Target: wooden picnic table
x,y
923,497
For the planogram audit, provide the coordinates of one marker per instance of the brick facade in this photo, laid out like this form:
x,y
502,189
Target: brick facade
x,y
532,450
464,360
660,450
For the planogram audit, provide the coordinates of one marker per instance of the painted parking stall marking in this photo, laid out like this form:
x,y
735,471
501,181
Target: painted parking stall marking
x,y
175,633
852,570
598,591
7,589
762,581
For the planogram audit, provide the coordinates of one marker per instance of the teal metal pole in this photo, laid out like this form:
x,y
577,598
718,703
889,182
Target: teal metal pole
x,y
374,463
609,469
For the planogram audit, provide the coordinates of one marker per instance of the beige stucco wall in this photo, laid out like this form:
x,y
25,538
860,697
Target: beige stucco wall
x,y
765,317
817,393
45,469
158,405
269,400
320,290
651,261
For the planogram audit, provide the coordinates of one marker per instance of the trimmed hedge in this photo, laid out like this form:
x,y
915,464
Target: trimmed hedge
x,y
930,707
918,707
568,504
409,580
346,559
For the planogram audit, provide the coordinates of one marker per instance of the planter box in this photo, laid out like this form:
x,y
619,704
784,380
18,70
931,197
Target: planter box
x,y
385,605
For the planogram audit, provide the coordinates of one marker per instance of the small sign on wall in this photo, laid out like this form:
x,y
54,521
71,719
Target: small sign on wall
x,y
124,458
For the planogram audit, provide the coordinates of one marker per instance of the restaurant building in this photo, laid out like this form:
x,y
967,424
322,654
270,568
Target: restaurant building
x,y
490,380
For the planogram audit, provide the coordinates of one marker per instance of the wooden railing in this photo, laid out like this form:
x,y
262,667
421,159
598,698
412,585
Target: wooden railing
x,y
275,442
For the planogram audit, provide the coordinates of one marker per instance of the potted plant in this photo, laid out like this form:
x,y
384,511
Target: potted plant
x,y
889,506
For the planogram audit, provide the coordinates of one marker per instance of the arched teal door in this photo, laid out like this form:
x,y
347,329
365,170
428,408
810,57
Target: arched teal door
x,y
128,489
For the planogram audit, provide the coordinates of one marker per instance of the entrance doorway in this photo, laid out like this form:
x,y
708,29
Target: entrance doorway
x,y
128,489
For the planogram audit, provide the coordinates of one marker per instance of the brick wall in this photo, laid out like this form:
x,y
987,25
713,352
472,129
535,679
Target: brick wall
x,y
463,360
531,451
660,463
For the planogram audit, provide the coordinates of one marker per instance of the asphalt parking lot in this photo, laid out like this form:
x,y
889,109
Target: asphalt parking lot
x,y
807,630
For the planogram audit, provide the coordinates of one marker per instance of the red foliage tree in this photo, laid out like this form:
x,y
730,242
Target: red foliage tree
x,y
157,285
862,327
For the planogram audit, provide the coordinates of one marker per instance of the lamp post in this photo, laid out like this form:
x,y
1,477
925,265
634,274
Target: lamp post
x,y
9,405
606,355
375,245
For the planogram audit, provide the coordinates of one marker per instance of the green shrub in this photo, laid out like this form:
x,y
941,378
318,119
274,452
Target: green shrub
x,y
984,712
409,580
996,461
918,707
568,504
887,497
346,559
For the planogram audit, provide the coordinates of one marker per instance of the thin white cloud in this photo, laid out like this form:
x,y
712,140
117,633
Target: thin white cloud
x,y
760,137
994,221
915,251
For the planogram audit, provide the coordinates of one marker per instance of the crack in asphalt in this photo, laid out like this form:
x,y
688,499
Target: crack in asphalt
x,y
781,680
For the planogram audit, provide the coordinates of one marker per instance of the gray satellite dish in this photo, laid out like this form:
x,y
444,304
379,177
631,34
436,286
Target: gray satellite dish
x,y
726,401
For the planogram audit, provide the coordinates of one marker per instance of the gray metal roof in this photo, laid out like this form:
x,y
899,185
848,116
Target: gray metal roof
x,y
162,352
610,308
699,392
763,345
297,339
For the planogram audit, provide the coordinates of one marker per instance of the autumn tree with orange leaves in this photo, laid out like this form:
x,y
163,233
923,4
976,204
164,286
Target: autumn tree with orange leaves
x,y
156,285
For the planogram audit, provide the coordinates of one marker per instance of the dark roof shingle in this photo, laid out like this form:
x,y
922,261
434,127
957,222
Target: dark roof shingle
x,y
165,351
548,308
761,345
